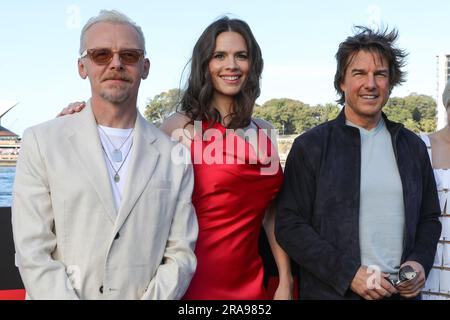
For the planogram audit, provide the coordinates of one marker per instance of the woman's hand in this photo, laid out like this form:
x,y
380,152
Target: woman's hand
x,y
285,290
74,107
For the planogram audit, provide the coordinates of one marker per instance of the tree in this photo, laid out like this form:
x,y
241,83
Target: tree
x,y
282,113
416,112
293,116
326,112
162,105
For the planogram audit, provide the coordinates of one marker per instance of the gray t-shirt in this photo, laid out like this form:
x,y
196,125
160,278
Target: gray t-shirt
x,y
381,209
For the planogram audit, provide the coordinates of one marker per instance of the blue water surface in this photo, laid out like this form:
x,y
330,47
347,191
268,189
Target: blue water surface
x,y
6,183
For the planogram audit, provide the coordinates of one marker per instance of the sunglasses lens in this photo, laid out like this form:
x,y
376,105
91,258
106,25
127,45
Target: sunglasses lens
x,y
101,56
104,56
130,56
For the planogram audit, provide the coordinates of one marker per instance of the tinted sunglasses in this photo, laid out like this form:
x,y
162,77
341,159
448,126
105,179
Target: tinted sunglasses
x,y
102,56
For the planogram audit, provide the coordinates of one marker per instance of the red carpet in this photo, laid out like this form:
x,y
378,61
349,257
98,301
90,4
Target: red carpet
x,y
20,294
12,294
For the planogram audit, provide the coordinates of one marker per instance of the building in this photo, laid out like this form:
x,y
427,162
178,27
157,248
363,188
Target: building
x,y
9,141
443,75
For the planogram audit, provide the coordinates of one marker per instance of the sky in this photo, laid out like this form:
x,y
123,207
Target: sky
x,y
298,39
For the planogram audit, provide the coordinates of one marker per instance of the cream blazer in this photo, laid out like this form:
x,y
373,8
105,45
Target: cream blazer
x,y
72,243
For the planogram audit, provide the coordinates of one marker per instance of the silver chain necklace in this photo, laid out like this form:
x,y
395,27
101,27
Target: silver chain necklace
x,y
117,152
116,175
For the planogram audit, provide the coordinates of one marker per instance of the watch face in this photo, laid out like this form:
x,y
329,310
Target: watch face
x,y
406,273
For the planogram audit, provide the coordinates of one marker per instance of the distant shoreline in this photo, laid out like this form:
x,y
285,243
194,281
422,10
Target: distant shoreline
x,y
8,163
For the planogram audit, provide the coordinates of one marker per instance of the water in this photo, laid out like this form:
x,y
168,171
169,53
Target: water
x,y
6,183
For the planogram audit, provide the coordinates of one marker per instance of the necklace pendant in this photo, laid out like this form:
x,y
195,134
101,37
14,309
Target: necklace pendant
x,y
116,178
117,155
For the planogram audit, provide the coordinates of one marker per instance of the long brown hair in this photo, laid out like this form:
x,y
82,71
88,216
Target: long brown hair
x,y
197,97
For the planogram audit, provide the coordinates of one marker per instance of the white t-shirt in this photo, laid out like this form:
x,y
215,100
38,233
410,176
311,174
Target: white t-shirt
x,y
381,209
118,138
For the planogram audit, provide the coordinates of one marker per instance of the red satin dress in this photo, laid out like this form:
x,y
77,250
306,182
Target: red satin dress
x,y
230,199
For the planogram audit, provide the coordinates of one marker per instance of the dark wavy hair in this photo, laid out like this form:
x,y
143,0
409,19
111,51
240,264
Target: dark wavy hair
x,y
197,97
380,42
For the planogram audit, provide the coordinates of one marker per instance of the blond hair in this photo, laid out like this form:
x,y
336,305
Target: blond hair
x,y
110,16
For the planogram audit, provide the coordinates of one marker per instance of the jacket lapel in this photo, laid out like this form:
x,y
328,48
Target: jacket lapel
x,y
86,145
142,166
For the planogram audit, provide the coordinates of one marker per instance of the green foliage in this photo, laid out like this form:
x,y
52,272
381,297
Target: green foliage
x,y
161,106
293,116
416,112
428,125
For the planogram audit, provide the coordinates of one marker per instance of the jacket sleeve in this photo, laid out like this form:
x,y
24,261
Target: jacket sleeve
x,y
178,265
429,227
33,227
294,227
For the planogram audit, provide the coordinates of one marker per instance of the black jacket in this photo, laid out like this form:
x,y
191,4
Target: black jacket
x,y
317,222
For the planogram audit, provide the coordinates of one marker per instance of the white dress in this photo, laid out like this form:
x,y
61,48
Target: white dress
x,y
437,286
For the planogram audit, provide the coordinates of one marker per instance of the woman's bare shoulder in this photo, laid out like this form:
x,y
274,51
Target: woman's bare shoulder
x,y
440,136
268,128
263,124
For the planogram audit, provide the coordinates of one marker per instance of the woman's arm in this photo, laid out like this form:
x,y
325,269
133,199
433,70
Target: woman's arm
x,y
286,283
176,126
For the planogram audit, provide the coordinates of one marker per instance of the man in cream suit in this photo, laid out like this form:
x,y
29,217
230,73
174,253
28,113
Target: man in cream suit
x,y
99,209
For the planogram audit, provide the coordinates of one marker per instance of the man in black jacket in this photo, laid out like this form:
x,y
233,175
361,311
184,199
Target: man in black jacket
x,y
359,199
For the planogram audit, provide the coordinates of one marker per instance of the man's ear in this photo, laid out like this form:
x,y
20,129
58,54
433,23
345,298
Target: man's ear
x,y
146,68
342,86
82,71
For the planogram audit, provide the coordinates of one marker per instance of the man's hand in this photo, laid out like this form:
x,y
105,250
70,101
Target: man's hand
x,y
371,285
72,108
412,288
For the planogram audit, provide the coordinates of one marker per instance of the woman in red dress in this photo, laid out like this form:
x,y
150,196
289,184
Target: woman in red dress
x,y
236,166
